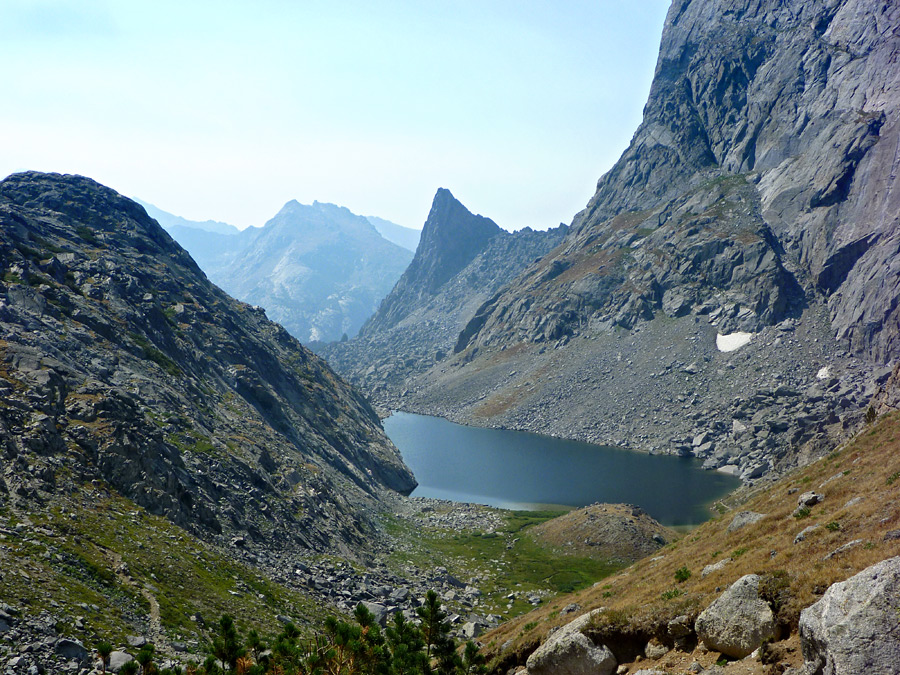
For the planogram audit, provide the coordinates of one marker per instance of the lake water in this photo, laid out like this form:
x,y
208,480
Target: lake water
x,y
517,470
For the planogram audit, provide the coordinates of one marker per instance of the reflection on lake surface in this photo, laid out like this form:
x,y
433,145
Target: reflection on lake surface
x,y
517,470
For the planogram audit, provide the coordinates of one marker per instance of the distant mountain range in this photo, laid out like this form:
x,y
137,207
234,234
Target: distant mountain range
x,y
170,222
319,270
405,237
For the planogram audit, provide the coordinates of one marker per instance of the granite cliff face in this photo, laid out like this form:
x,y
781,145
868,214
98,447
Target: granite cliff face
x,y
763,171
120,362
757,196
319,270
462,260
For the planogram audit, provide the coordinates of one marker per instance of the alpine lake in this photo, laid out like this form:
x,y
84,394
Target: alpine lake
x,y
524,471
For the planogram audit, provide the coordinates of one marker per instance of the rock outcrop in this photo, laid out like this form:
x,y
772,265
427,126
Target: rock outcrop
x,y
120,362
854,628
738,622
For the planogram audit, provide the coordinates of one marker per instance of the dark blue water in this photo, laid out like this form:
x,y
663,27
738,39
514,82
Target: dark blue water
x,y
517,470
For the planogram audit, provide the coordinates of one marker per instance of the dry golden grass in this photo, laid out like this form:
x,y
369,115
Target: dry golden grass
x,y
500,403
641,599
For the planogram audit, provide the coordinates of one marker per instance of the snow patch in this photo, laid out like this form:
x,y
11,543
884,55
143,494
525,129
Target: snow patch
x,y
823,373
732,341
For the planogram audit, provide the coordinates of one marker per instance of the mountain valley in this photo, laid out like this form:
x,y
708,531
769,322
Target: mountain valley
x,y
729,295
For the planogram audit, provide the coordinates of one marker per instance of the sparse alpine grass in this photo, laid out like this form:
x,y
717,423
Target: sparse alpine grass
x,y
793,575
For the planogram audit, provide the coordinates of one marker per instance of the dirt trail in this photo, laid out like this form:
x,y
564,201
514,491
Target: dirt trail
x,y
155,631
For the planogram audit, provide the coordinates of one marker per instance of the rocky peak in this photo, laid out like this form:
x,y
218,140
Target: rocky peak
x,y
451,238
415,327
319,221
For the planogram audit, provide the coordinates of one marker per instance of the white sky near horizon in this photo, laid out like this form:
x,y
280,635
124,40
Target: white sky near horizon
x,y
226,110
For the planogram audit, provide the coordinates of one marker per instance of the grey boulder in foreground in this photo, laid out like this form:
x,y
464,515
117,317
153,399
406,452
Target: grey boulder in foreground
x,y
855,627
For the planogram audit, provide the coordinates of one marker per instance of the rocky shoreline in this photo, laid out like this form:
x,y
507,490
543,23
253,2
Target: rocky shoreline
x,y
781,400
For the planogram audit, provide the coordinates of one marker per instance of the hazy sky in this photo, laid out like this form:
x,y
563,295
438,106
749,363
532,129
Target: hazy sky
x,y
228,109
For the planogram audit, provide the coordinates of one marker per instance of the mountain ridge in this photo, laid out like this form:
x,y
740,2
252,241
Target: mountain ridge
x,y
461,262
147,376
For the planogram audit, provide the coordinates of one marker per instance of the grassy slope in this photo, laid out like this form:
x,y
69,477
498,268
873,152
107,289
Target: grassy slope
x,y
96,555
641,599
508,560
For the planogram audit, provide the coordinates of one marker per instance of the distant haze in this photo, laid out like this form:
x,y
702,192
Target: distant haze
x,y
225,111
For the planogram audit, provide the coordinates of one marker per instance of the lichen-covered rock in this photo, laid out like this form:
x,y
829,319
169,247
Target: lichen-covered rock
x,y
655,649
118,659
571,653
715,567
738,621
809,499
805,532
743,519
854,627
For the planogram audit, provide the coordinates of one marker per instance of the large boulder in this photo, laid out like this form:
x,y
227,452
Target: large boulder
x,y
854,627
71,649
379,611
571,653
118,659
738,621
